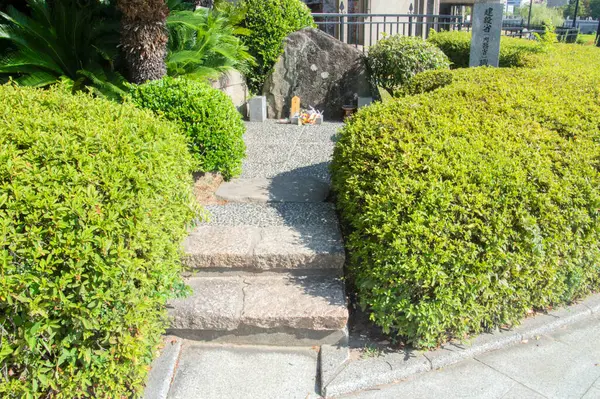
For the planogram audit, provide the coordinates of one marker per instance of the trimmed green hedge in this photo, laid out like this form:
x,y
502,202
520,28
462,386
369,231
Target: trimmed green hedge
x,y
471,205
395,60
514,52
94,202
425,82
208,117
270,22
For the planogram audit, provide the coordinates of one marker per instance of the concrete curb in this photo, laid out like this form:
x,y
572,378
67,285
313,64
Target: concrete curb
x,y
163,370
340,376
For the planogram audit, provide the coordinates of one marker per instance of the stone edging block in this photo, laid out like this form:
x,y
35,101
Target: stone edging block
x,y
340,376
163,370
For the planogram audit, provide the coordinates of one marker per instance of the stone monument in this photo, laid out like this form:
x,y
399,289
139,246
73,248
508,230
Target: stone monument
x,y
487,28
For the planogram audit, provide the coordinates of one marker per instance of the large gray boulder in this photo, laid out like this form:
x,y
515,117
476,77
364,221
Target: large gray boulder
x,y
324,72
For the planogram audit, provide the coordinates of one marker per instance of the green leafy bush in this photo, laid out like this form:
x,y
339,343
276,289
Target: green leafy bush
x,y
203,44
456,45
469,206
425,82
395,60
62,39
94,201
270,22
209,118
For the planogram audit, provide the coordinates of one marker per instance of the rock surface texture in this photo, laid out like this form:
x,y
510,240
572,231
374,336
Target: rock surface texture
x,y
324,72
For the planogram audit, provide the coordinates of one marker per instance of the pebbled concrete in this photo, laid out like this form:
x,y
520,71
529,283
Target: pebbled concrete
x,y
287,151
224,372
285,189
267,248
163,369
274,214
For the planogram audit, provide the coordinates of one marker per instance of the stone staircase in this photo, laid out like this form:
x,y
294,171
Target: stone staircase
x,y
266,269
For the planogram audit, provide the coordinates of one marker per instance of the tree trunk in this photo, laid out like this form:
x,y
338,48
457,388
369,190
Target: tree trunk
x,y
144,38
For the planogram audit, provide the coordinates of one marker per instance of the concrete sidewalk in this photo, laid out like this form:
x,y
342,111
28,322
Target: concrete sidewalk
x,y
563,364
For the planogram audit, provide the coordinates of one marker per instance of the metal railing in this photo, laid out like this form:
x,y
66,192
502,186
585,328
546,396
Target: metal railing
x,y
364,30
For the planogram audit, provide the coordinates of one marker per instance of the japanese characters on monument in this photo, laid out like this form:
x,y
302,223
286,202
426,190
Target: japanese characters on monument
x,y
487,27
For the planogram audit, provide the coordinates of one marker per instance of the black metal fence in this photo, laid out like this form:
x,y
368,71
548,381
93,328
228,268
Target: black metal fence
x,y
364,30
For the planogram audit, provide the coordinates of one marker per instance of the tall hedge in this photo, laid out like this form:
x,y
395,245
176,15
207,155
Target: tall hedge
x,y
471,205
94,201
207,116
270,22
514,52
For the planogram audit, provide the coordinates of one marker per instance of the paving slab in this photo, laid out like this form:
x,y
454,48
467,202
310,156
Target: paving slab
x,y
217,246
266,248
262,308
454,352
592,393
469,379
287,188
547,366
370,372
313,303
216,305
223,372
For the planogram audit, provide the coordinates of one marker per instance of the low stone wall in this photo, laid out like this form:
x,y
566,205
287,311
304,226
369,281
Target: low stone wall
x,y
234,85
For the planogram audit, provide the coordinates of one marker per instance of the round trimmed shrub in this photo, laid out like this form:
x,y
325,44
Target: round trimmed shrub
x,y
469,206
213,125
94,202
425,82
394,61
514,52
270,22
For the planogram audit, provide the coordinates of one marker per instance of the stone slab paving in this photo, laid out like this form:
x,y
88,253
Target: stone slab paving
x,y
278,302
245,372
562,364
265,248
284,189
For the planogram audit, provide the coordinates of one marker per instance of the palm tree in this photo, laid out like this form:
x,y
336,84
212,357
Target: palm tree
x,y
144,38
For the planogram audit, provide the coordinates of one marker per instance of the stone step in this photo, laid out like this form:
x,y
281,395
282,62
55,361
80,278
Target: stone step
x,y
288,188
267,238
269,310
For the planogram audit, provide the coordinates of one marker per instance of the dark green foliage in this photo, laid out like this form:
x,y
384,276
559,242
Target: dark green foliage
x,y
94,202
270,22
209,118
203,44
471,205
456,45
59,39
394,61
425,82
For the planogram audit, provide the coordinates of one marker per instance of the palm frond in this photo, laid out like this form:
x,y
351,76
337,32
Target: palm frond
x,y
203,44
56,39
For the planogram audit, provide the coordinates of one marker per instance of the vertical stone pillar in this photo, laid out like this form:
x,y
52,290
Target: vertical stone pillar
x,y
487,28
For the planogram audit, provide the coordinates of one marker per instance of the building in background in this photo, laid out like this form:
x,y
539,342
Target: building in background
x,y
401,15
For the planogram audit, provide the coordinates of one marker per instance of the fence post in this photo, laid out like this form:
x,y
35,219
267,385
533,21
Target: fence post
x,y
342,29
410,25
